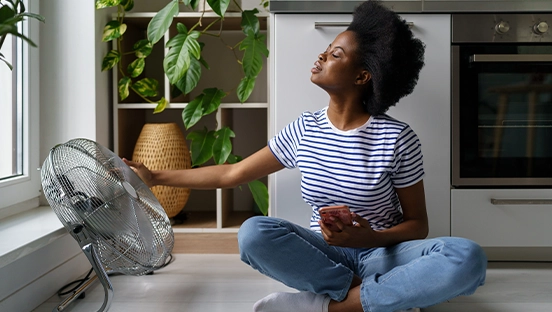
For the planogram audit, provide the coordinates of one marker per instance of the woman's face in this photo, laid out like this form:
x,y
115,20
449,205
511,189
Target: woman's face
x,y
338,68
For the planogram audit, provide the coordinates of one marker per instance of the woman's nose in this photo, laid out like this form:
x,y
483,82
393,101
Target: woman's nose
x,y
321,56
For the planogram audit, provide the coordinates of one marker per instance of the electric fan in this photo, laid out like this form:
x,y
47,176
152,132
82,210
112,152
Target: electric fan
x,y
117,221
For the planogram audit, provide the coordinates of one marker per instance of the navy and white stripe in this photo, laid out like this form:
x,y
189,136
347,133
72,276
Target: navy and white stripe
x,y
359,168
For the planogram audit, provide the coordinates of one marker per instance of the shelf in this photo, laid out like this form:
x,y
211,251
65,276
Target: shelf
x,y
206,222
206,210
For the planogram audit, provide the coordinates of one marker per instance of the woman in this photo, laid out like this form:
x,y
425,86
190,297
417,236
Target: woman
x,y
350,153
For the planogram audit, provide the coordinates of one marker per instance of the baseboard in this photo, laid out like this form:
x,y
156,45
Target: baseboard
x,y
529,254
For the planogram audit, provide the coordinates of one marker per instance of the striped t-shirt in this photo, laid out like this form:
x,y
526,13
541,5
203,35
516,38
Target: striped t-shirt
x,y
359,168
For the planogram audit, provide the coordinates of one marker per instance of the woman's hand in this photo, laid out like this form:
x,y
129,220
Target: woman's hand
x,y
141,170
359,235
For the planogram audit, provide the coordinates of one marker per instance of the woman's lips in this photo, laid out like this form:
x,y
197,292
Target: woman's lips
x,y
316,68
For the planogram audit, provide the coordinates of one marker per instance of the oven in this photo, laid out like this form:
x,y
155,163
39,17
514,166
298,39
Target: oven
x,y
501,100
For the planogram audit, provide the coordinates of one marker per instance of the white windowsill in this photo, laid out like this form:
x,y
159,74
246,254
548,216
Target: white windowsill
x,y
24,233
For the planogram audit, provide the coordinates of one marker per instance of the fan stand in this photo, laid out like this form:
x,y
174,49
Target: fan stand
x,y
85,242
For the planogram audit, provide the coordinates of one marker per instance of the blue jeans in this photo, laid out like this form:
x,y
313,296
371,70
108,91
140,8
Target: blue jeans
x,y
411,274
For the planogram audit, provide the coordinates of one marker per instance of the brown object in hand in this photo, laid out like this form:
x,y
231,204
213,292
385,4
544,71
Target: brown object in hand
x,y
162,146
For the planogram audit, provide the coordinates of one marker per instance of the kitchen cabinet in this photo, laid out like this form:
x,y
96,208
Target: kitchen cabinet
x,y
503,217
206,210
296,44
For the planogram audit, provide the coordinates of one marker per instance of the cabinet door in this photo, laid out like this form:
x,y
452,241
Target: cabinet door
x,y
503,218
296,45
427,111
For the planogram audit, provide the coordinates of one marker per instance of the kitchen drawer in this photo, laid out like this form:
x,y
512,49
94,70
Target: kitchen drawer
x,y
520,218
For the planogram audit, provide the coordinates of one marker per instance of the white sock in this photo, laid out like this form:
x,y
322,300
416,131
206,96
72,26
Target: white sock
x,y
297,302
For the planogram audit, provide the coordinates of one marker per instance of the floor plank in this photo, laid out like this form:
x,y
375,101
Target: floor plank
x,y
222,283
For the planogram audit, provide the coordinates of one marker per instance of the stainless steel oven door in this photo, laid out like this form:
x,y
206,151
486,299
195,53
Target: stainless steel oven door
x,y
501,115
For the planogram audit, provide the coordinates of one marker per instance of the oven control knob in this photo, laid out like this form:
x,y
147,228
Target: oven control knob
x,y
540,28
502,27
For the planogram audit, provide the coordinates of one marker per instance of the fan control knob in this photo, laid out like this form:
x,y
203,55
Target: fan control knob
x,y
502,27
540,28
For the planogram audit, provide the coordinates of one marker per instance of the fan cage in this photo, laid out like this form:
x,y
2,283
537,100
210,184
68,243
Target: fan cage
x,y
88,185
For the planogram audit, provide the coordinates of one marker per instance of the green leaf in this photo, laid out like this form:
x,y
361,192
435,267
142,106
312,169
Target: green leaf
x,y
219,6
127,4
7,29
232,159
142,48
3,59
181,29
111,59
146,87
100,4
201,148
223,145
254,54
212,99
250,22
193,112
182,48
38,17
260,195
160,23
246,86
161,105
190,79
113,30
6,13
192,3
123,87
135,68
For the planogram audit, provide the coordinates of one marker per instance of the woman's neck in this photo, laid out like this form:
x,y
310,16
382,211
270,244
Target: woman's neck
x,y
348,115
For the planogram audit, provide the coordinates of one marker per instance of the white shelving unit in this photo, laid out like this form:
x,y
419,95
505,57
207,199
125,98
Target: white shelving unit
x,y
206,210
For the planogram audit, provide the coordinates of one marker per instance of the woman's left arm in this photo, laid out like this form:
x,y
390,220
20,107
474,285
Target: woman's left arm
x,y
414,225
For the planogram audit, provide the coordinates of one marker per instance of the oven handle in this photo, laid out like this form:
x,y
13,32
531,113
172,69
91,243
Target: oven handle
x,y
511,58
318,25
495,201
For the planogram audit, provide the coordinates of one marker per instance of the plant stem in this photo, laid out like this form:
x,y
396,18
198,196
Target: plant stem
x,y
120,18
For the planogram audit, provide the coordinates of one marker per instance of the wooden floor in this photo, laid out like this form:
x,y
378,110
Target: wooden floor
x,y
222,283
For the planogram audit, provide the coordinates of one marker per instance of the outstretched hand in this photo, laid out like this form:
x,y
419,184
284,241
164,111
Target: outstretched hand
x,y
141,170
359,235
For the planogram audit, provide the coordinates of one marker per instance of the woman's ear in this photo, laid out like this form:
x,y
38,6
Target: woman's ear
x,y
363,77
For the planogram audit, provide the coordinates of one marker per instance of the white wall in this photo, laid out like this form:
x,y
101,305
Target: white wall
x,y
74,95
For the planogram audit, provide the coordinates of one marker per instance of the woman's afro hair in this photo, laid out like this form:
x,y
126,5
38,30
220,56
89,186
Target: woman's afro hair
x,y
388,50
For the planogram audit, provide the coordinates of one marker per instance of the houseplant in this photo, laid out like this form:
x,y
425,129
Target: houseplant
x,y
183,65
11,13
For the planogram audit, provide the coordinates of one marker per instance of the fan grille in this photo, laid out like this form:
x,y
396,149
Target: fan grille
x,y
88,185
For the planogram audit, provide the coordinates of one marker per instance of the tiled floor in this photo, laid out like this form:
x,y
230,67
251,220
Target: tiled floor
x,y
217,282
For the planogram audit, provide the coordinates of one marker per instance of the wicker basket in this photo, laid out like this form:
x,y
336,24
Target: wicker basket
x,y
162,146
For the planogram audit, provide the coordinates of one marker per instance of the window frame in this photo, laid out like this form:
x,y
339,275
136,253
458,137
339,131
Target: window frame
x,y
25,188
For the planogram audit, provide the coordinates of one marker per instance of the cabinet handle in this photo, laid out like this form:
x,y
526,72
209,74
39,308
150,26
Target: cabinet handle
x,y
318,25
511,58
495,201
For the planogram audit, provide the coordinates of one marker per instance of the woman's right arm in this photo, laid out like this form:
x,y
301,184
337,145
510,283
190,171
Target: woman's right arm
x,y
258,165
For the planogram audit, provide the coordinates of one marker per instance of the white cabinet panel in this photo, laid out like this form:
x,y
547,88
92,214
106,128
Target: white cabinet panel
x,y
504,223
427,111
296,44
295,48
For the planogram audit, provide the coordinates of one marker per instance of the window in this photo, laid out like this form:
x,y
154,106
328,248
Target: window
x,y
10,120
19,117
